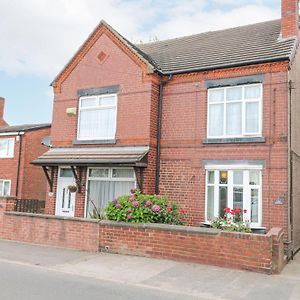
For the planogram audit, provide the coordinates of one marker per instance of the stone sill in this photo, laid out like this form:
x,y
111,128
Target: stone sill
x,y
94,142
234,140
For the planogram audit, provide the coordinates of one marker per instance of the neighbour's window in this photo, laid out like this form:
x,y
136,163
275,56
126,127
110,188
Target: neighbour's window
x,y
234,188
7,147
97,117
105,184
4,188
235,111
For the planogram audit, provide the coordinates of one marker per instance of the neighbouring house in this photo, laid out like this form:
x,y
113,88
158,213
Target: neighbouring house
x,y
19,145
211,120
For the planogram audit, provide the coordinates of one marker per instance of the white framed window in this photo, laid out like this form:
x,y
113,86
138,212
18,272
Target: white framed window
x,y
105,184
5,187
97,117
235,111
234,187
7,146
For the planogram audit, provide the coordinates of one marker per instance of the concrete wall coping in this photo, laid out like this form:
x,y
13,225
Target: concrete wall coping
x,y
165,227
52,217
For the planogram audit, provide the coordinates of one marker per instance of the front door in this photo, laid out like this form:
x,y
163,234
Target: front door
x,y
65,200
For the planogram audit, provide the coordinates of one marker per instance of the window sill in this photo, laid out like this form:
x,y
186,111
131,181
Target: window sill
x,y
234,140
94,142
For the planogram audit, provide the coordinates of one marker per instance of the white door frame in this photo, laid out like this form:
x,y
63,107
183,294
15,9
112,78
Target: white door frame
x,y
62,183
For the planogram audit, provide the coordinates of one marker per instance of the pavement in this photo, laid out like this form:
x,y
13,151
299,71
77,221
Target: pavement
x,y
131,277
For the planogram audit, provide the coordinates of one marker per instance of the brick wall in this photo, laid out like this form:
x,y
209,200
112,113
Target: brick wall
x,y
32,181
47,230
134,96
260,253
184,128
193,244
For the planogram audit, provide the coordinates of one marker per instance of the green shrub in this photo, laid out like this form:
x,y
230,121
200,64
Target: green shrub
x,y
140,208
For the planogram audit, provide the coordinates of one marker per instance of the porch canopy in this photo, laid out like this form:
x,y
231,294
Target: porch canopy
x,y
117,156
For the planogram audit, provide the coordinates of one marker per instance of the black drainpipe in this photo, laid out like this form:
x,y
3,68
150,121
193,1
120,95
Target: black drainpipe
x,y
158,130
19,164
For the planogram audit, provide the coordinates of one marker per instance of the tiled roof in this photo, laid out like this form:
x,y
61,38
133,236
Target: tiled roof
x,y
25,127
218,49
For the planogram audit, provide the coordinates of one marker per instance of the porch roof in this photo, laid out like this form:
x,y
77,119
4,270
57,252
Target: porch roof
x,y
117,156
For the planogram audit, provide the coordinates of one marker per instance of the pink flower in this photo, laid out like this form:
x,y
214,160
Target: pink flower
x,y
129,210
132,197
155,208
158,196
135,203
129,217
148,203
118,205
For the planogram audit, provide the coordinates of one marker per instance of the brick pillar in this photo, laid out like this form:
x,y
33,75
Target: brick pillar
x,y
278,260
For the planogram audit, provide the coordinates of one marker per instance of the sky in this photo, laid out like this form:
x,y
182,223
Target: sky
x,y
38,37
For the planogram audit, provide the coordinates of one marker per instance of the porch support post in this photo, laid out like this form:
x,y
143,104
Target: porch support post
x,y
139,174
77,177
49,177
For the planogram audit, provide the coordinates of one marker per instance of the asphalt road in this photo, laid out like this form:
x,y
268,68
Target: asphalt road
x,y
21,282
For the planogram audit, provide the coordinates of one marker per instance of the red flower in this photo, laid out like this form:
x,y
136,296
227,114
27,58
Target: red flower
x,y
238,210
182,211
232,211
169,209
227,209
245,211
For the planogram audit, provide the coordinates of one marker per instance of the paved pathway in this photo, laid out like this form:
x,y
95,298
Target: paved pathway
x,y
132,277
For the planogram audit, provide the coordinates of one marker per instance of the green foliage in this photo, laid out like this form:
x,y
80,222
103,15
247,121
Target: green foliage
x,y
140,208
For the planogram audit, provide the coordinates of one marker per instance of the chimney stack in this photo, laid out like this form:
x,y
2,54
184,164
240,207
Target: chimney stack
x,y
2,103
289,18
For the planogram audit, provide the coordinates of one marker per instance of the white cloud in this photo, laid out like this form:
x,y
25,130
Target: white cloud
x,y
39,36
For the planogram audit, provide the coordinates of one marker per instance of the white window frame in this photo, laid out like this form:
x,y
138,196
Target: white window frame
x,y
246,189
97,107
9,189
109,178
243,101
10,147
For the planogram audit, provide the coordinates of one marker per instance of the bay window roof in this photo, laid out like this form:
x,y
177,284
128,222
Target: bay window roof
x,y
116,156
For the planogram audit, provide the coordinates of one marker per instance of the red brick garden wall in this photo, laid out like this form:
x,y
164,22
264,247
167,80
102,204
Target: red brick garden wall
x,y
260,253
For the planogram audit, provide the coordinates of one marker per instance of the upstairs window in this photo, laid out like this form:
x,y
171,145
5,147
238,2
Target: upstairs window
x,y
235,111
97,117
7,147
4,188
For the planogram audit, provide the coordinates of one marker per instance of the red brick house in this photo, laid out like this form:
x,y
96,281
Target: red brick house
x,y
19,145
211,120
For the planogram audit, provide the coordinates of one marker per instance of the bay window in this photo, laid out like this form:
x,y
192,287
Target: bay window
x,y
4,188
105,184
7,147
235,111
97,117
236,187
